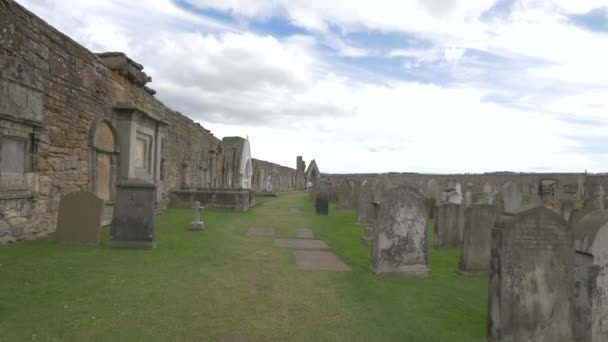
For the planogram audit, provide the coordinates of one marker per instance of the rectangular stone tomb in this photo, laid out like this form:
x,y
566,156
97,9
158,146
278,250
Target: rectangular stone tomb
x,y
531,283
79,220
477,241
319,260
260,231
299,244
304,233
133,222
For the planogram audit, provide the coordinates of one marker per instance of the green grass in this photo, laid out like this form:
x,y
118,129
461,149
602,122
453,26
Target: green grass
x,y
223,285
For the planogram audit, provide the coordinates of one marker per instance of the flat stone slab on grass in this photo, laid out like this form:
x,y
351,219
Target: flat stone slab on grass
x,y
319,260
304,233
299,244
260,231
295,210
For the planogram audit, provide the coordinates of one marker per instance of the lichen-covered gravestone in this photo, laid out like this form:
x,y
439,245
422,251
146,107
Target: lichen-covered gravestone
x,y
530,294
133,221
79,219
365,208
380,187
591,294
345,195
477,239
449,225
400,234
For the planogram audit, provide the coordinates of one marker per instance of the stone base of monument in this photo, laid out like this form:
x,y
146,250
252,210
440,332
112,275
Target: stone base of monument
x,y
472,273
133,217
413,271
197,226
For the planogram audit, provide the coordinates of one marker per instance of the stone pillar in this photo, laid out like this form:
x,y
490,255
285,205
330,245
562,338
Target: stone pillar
x,y
133,221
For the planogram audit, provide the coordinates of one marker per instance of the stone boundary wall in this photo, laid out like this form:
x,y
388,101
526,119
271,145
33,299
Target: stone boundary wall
x,y
53,95
282,178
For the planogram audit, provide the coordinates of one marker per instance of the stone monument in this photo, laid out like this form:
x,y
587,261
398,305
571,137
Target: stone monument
x,y
197,224
477,239
133,220
449,225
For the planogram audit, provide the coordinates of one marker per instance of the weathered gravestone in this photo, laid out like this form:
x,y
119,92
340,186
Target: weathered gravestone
x,y
322,203
380,188
79,219
454,197
468,195
345,193
365,208
530,295
449,225
591,294
356,192
133,221
510,199
477,239
400,234
433,190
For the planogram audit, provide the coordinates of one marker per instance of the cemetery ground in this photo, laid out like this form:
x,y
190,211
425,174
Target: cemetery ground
x,y
223,285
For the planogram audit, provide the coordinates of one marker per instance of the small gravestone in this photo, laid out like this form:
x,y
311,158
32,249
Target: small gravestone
x,y
511,199
431,206
449,225
531,283
197,224
133,220
322,203
591,277
304,233
400,235
433,190
477,239
79,219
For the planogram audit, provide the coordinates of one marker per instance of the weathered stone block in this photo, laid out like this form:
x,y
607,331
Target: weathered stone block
x,y
133,221
79,219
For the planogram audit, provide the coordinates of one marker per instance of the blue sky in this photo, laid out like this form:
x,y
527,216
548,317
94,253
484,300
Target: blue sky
x,y
374,86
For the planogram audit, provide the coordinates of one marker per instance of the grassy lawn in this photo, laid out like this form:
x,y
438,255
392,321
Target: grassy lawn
x,y
223,285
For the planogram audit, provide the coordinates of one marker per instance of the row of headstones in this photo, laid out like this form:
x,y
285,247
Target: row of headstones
x,y
80,216
529,252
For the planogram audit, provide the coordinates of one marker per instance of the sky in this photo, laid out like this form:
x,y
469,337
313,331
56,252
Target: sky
x,y
434,86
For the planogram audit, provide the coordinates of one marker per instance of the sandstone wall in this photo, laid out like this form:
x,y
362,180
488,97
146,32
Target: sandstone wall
x,y
54,93
281,178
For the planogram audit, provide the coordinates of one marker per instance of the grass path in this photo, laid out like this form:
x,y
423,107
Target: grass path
x,y
221,285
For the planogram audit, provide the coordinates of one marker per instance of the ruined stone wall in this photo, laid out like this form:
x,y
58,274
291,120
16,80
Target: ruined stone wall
x,y
54,93
282,178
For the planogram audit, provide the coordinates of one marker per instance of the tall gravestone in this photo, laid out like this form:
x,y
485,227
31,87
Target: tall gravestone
x,y
365,208
399,246
322,203
344,195
531,293
477,239
468,195
133,220
380,188
433,196
449,225
591,275
79,219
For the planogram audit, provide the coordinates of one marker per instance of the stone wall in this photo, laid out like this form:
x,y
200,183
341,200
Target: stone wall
x,y
73,120
281,178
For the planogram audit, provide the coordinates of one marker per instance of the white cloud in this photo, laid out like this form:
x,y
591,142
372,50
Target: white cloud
x,y
291,100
